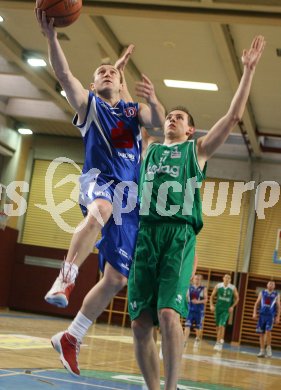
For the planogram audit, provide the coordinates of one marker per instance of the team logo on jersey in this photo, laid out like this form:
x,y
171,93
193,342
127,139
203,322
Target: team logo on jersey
x,y
133,305
126,266
123,253
122,137
172,170
130,112
179,299
175,153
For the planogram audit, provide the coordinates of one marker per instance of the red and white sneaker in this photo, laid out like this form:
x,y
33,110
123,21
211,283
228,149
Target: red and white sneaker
x,y
68,347
60,292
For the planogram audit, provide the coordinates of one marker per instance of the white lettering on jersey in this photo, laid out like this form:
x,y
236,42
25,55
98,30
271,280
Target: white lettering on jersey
x,y
126,156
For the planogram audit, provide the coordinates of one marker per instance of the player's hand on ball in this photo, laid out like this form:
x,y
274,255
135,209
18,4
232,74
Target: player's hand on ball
x,y
47,28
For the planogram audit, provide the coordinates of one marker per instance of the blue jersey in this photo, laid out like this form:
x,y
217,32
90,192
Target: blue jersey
x,y
196,293
268,303
111,137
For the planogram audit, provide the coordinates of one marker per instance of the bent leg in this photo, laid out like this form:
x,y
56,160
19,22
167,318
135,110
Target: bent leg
x,y
85,235
101,294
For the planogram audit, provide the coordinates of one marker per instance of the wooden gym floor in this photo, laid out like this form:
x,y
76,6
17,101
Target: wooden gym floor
x,y
27,360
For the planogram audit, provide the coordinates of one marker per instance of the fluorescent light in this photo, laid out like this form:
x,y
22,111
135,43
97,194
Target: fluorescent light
x,y
36,62
1,19
62,92
191,85
25,131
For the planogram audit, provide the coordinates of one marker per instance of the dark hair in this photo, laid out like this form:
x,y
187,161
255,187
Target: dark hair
x,y
190,120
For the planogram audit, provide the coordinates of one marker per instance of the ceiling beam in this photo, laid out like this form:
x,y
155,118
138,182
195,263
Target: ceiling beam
x,y
18,86
229,59
41,109
203,12
39,77
114,49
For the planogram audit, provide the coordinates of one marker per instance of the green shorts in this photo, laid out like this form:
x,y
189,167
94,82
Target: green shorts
x,y
221,317
161,270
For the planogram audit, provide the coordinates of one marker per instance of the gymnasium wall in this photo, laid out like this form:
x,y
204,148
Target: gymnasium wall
x,y
264,241
8,242
220,246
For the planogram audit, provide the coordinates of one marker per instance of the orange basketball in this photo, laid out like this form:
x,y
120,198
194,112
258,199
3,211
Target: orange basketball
x,y
65,12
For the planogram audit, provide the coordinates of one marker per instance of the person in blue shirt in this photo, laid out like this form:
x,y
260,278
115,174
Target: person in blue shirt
x,y
197,298
269,313
110,128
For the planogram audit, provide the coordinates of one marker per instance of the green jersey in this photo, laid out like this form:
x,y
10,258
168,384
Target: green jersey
x,y
170,184
225,296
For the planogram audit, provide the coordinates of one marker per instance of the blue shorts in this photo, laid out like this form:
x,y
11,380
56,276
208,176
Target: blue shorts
x,y
119,234
122,195
195,319
265,323
117,245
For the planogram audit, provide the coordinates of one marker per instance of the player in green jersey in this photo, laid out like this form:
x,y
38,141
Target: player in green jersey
x,y
170,219
227,299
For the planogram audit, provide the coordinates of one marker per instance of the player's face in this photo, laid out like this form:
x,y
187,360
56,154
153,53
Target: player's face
x,y
176,125
271,286
226,279
196,280
106,78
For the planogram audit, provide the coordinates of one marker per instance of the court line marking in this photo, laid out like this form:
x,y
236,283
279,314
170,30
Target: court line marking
x,y
259,366
10,374
15,373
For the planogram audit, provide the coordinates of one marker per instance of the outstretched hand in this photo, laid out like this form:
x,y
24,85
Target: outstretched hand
x,y
251,57
47,27
145,89
121,63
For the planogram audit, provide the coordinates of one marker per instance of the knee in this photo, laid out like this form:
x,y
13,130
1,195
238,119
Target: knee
x,y
99,213
140,329
168,317
114,279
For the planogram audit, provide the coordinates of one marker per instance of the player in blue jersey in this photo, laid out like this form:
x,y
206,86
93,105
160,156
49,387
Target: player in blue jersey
x,y
269,313
197,298
111,134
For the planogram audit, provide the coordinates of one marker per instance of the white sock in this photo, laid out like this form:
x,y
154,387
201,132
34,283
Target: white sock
x,y
69,271
79,326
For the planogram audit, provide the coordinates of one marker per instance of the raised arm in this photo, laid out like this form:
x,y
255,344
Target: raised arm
x,y
236,300
151,115
77,95
121,64
148,139
256,306
207,145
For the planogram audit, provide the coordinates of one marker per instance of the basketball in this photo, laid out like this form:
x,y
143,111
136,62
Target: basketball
x,y
65,12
